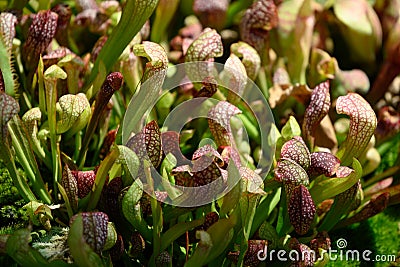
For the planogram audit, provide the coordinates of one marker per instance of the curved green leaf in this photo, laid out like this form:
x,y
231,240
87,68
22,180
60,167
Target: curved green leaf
x,y
128,158
212,242
101,177
359,24
340,206
322,67
18,248
176,231
294,36
163,15
291,129
132,210
331,187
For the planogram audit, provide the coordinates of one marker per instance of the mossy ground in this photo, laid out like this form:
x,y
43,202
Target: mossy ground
x,y
379,234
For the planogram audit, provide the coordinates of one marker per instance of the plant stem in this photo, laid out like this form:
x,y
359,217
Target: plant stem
x,y
42,94
264,209
157,215
235,8
67,203
78,145
31,169
51,76
94,120
387,73
248,205
389,172
101,177
164,12
19,182
134,15
262,81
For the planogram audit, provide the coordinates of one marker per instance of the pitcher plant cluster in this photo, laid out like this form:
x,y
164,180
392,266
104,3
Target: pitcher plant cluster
x,y
74,192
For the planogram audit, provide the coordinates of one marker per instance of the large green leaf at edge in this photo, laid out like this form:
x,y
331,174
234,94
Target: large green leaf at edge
x,y
213,242
359,21
333,186
176,231
132,211
18,248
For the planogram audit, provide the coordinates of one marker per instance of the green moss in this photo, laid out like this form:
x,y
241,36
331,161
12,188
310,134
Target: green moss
x,y
8,192
11,217
379,234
